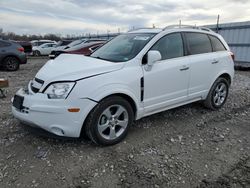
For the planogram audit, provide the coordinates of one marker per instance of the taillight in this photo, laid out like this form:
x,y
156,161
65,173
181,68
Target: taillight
x,y
20,49
232,55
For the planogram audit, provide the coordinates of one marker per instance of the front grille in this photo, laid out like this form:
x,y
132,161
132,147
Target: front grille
x,y
35,90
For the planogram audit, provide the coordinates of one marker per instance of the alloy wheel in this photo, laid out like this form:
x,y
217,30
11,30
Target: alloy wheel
x,y
220,94
113,122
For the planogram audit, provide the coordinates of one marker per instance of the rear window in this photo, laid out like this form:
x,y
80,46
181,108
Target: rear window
x,y
198,43
216,44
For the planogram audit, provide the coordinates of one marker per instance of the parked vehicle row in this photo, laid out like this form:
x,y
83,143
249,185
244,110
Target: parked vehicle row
x,y
53,49
136,74
85,48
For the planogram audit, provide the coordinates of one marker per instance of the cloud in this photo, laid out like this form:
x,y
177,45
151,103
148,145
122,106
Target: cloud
x,y
83,16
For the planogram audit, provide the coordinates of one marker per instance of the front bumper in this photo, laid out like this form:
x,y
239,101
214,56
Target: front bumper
x,y
52,115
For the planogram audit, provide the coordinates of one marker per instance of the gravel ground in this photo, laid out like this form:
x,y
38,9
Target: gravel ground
x,y
188,146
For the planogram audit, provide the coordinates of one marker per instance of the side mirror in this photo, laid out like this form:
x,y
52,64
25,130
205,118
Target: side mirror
x,y
153,56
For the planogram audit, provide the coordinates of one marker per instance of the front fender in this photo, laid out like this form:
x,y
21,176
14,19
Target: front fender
x,y
113,89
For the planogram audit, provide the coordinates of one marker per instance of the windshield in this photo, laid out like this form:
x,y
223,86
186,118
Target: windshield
x,y
76,42
59,44
123,47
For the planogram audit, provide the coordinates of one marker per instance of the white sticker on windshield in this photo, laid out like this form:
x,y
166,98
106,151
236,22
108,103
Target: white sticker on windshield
x,y
141,38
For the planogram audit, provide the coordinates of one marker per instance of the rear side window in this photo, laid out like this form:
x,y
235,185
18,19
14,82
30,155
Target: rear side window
x,y
51,45
4,44
198,43
217,44
170,46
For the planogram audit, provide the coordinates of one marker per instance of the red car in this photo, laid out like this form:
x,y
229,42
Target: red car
x,y
84,49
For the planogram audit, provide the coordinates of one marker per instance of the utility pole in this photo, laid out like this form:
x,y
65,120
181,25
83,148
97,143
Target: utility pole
x,y
180,23
108,33
217,26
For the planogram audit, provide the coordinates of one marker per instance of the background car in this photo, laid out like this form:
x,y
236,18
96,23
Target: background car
x,y
44,49
27,46
62,44
11,55
84,49
40,42
74,43
82,41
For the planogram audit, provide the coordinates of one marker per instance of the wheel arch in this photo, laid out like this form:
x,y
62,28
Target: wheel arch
x,y
227,77
10,55
223,74
2,61
125,96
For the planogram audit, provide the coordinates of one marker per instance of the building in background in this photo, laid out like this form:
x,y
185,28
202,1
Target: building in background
x,y
237,36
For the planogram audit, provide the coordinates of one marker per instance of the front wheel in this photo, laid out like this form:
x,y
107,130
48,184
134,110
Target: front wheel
x,y
218,94
109,121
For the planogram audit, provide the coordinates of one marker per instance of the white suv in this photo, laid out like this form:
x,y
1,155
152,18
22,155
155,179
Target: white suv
x,y
132,76
43,49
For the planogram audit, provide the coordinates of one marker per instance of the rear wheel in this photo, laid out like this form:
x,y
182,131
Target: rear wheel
x,y
109,121
218,94
36,53
11,63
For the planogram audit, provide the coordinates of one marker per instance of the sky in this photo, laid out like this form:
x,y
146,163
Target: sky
x,y
102,16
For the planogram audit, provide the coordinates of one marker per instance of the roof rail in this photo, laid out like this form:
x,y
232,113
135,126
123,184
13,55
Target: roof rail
x,y
142,28
188,26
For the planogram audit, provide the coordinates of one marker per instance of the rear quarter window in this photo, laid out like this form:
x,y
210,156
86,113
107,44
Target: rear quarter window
x,y
217,44
198,43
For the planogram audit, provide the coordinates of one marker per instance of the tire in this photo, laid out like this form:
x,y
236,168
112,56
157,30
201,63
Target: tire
x,y
11,63
108,123
218,94
36,53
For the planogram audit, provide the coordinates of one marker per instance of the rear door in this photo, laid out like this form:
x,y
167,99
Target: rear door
x,y
201,60
47,48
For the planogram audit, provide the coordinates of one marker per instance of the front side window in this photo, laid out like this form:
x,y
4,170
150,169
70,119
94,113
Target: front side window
x,y
123,47
198,43
217,44
170,46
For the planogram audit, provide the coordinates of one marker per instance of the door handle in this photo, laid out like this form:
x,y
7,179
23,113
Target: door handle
x,y
215,61
184,68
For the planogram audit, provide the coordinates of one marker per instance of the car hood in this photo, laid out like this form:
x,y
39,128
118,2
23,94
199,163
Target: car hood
x,y
59,48
68,67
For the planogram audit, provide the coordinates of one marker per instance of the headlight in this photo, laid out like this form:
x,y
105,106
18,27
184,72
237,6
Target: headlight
x,y
59,90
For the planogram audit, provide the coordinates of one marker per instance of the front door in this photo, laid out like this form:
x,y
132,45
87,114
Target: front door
x,y
166,84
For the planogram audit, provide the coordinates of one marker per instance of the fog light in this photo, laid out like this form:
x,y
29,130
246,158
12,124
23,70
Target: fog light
x,y
57,131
